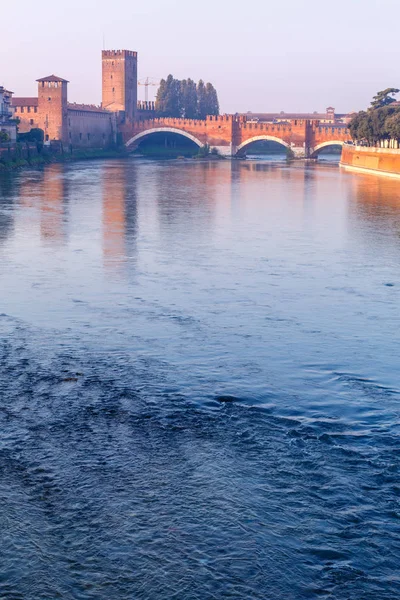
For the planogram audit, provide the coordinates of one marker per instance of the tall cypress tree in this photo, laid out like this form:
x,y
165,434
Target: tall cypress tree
x,y
201,100
212,100
189,99
184,99
168,101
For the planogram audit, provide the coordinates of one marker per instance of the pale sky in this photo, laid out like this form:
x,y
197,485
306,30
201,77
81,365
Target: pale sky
x,y
291,55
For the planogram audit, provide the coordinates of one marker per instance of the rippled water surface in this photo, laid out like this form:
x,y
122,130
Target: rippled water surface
x,y
199,382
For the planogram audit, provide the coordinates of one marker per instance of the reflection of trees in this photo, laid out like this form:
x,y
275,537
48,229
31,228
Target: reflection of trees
x,y
8,191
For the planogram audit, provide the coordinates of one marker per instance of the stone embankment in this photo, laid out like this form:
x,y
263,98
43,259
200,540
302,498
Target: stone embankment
x,y
14,156
377,161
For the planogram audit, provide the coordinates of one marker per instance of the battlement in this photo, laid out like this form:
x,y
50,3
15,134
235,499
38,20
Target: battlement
x,y
118,54
220,118
147,105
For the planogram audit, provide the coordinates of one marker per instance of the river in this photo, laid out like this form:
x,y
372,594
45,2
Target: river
x,y
199,382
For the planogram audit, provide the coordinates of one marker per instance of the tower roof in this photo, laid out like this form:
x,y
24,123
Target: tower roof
x,y
52,78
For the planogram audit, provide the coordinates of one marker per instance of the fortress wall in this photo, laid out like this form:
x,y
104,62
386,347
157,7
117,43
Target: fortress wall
x,y
90,129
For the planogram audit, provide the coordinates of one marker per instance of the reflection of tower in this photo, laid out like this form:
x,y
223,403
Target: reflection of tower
x,y
114,190
120,82
52,204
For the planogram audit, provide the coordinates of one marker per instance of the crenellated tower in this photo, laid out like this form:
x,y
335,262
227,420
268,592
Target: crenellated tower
x,y
53,107
119,69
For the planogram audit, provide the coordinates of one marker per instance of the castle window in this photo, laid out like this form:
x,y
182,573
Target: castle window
x,y
47,137
113,89
35,109
42,84
49,99
31,121
29,109
22,109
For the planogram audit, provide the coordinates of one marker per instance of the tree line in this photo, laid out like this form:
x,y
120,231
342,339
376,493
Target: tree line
x,y
380,122
186,99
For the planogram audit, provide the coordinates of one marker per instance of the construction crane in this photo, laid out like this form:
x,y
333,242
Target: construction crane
x,y
148,82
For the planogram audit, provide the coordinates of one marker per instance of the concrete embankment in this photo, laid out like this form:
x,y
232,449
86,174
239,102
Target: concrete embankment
x,y
376,161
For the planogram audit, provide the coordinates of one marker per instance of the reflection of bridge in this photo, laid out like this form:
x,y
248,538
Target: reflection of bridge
x,y
231,135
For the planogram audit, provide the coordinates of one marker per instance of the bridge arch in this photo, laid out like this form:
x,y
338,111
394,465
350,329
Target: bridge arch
x,y
262,138
143,134
324,145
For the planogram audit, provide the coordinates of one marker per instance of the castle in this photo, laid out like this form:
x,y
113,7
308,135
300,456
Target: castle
x,y
83,125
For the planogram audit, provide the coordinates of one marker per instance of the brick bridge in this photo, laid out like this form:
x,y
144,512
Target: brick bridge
x,y
231,135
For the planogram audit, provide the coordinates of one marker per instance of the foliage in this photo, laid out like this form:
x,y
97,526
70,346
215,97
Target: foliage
x,y
203,151
384,98
185,99
380,122
393,126
188,99
4,137
34,135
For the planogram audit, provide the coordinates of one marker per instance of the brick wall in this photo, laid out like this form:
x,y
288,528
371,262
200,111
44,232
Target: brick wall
x,y
90,129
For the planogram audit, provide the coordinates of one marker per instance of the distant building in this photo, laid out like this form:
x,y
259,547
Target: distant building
x,y
7,124
85,125
76,124
327,117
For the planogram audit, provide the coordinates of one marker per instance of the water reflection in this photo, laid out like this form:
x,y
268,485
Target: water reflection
x,y
54,205
8,186
114,189
222,411
374,201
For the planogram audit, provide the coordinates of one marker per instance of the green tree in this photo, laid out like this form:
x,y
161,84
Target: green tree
x,y
189,99
184,99
4,137
384,98
212,100
201,100
371,126
393,126
168,100
160,98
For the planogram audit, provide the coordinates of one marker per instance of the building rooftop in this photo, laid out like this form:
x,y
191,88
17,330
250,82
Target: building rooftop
x,y
24,101
282,115
52,78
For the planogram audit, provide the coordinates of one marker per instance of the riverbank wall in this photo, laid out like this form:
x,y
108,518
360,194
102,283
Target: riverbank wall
x,y
18,155
375,161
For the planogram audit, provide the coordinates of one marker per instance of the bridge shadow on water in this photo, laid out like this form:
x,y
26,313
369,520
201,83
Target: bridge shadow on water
x,y
167,145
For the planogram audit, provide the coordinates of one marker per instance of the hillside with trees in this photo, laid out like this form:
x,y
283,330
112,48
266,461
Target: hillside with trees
x,y
186,99
380,123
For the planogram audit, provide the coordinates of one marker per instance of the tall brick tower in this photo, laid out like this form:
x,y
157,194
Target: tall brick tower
x,y
120,82
53,107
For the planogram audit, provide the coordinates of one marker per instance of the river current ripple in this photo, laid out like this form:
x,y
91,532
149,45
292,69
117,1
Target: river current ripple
x,y
199,389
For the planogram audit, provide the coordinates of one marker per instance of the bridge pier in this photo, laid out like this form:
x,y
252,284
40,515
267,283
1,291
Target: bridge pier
x,y
226,151
300,151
